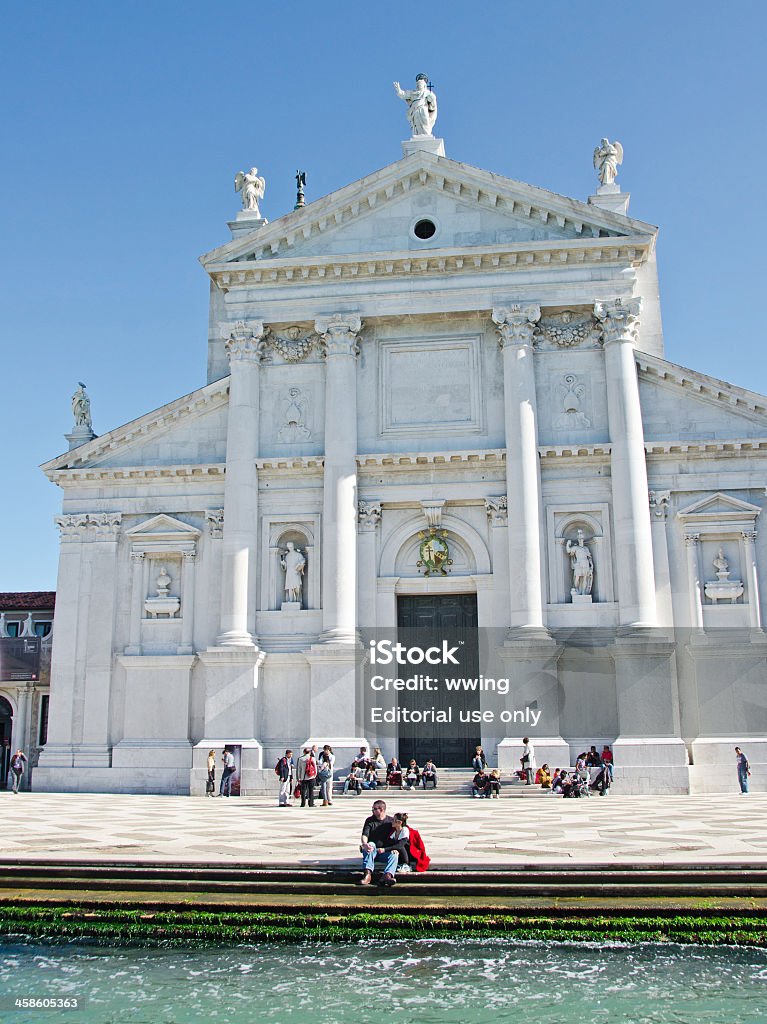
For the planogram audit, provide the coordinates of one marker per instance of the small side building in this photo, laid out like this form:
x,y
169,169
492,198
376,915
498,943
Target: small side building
x,y
26,638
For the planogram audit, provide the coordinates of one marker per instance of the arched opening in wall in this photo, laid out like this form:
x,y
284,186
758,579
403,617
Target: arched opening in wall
x,y
6,733
294,569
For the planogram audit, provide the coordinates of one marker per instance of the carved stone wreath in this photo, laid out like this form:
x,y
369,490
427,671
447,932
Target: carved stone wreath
x,y
567,330
292,346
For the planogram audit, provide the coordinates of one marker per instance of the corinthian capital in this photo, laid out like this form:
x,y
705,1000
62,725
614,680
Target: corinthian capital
x,y
246,341
516,323
619,319
339,333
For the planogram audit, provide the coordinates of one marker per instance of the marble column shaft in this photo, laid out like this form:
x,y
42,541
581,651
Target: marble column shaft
x,y
695,588
339,508
239,555
633,534
516,324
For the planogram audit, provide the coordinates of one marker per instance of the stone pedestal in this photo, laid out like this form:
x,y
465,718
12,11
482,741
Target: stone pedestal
x,y
580,600
610,197
231,680
155,726
423,144
245,222
80,435
290,607
531,664
336,707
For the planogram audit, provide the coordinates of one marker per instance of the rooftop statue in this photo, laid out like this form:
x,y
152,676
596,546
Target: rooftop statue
x,y
81,407
421,106
607,156
252,188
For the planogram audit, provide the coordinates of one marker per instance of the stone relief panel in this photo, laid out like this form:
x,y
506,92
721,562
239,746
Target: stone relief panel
x,y
572,396
295,413
430,387
573,393
409,555
567,329
291,345
292,400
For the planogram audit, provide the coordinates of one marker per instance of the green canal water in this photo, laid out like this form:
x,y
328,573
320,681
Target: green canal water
x,y
408,982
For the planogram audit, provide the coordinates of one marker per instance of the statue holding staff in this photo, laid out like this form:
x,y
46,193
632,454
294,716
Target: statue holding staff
x,y
421,106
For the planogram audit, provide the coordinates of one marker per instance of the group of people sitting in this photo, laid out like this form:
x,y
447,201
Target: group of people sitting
x,y
390,842
365,768
593,772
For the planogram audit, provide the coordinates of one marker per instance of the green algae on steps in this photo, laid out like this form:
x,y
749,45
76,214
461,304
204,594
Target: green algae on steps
x,y
193,927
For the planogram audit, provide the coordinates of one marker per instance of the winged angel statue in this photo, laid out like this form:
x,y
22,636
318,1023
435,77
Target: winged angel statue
x,y
252,188
607,156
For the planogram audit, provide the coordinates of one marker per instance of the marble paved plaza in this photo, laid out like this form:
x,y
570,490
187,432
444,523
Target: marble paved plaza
x,y
457,830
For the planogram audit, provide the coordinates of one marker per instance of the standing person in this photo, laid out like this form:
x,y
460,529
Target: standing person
x,y
326,763
18,766
306,773
480,761
284,771
528,760
210,783
744,769
227,760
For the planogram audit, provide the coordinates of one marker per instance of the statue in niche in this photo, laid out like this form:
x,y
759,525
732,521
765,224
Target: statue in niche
x,y
421,106
81,407
721,565
607,156
252,188
294,429
582,565
293,564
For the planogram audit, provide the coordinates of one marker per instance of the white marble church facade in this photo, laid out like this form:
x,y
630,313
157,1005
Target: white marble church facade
x,y
503,379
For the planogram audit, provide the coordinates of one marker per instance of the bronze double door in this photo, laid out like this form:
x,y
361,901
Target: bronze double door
x,y
428,621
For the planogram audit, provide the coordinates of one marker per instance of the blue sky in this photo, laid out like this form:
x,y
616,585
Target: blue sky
x,y
125,123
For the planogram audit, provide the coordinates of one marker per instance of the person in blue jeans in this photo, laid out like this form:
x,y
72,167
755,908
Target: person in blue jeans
x,y
376,831
226,775
744,769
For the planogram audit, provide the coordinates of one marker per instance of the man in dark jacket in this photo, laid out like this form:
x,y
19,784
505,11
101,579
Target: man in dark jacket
x,y
18,764
284,771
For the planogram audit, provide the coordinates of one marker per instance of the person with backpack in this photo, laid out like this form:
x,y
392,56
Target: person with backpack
x,y
284,772
306,773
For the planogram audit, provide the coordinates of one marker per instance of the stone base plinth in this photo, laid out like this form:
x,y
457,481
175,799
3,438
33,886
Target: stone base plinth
x,y
424,144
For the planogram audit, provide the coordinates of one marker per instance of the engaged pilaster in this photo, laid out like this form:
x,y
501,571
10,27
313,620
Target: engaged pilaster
x,y
516,324
340,337
244,348
633,537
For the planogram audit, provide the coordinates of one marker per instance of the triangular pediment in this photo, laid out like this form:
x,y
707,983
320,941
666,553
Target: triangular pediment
x,y
471,209
162,527
684,404
721,507
174,434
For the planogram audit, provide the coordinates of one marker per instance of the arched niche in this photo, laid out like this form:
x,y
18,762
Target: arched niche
x,y
303,537
468,550
566,529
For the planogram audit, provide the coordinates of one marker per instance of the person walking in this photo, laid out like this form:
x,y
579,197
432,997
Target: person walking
x,y
210,784
18,767
306,773
744,770
227,759
284,772
325,765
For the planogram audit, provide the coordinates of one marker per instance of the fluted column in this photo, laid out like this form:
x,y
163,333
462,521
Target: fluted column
x,y
516,324
339,509
136,602
751,576
633,535
694,585
239,557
